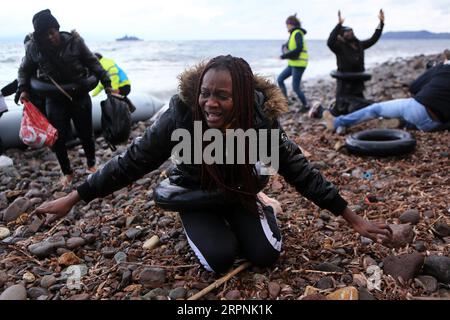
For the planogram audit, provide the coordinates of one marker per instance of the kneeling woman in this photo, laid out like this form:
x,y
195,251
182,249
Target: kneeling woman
x,y
223,94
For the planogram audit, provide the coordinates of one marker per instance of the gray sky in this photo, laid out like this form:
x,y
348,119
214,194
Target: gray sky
x,y
215,19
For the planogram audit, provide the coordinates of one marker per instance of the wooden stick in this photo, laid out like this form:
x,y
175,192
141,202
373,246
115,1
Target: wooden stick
x,y
411,297
315,271
15,247
220,281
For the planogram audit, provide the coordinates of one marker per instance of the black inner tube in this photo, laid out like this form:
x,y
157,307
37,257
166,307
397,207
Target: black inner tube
x,y
363,76
49,89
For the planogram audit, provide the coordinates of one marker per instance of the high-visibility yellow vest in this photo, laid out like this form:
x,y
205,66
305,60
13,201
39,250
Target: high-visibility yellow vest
x,y
302,60
116,74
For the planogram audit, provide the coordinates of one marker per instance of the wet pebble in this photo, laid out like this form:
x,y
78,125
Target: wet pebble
x,y
442,229
19,206
15,292
48,281
428,283
438,267
327,267
36,292
75,242
120,257
410,216
177,293
403,234
325,283
406,266
46,248
152,277
233,295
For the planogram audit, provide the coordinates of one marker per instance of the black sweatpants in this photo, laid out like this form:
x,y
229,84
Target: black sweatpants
x,y
350,97
218,236
59,112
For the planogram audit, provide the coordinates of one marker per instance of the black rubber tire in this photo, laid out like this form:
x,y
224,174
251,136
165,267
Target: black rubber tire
x,y
351,75
380,143
50,90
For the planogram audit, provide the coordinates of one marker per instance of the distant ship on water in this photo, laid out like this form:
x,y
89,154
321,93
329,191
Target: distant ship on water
x,y
129,38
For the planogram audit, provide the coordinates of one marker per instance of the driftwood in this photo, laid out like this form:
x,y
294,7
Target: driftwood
x,y
220,281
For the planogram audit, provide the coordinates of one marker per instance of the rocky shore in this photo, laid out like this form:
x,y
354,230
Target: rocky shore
x,y
124,247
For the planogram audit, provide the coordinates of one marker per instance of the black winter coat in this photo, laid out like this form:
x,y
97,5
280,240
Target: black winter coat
x,y
150,151
72,63
350,57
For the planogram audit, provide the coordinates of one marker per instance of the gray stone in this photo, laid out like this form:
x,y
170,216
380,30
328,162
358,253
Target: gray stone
x,y
133,233
410,216
46,248
428,283
158,292
15,292
180,246
36,292
366,241
403,234
438,267
108,252
274,289
48,281
327,267
177,293
152,277
19,206
406,266
120,257
325,283
75,242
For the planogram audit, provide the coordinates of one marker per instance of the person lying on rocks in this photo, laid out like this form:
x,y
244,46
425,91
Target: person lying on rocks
x,y
427,110
221,97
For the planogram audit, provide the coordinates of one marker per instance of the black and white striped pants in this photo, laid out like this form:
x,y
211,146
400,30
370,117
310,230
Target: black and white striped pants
x,y
219,236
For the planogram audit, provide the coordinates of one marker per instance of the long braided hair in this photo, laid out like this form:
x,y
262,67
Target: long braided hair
x,y
237,180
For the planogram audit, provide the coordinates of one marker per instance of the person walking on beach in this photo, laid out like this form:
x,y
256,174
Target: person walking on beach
x,y
221,96
296,52
349,52
62,57
428,109
119,79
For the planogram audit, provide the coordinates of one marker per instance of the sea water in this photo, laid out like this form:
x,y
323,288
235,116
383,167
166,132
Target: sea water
x,y
153,66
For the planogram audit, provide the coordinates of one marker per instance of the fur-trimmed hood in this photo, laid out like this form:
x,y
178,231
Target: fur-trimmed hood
x,y
273,106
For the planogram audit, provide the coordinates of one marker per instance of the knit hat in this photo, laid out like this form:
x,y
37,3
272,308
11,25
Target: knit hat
x,y
293,20
44,20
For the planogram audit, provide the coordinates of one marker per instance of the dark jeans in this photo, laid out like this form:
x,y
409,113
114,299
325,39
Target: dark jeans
x,y
217,236
125,90
296,73
59,113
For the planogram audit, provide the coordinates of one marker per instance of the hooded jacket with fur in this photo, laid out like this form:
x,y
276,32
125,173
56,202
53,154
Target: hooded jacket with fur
x,y
73,62
151,150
